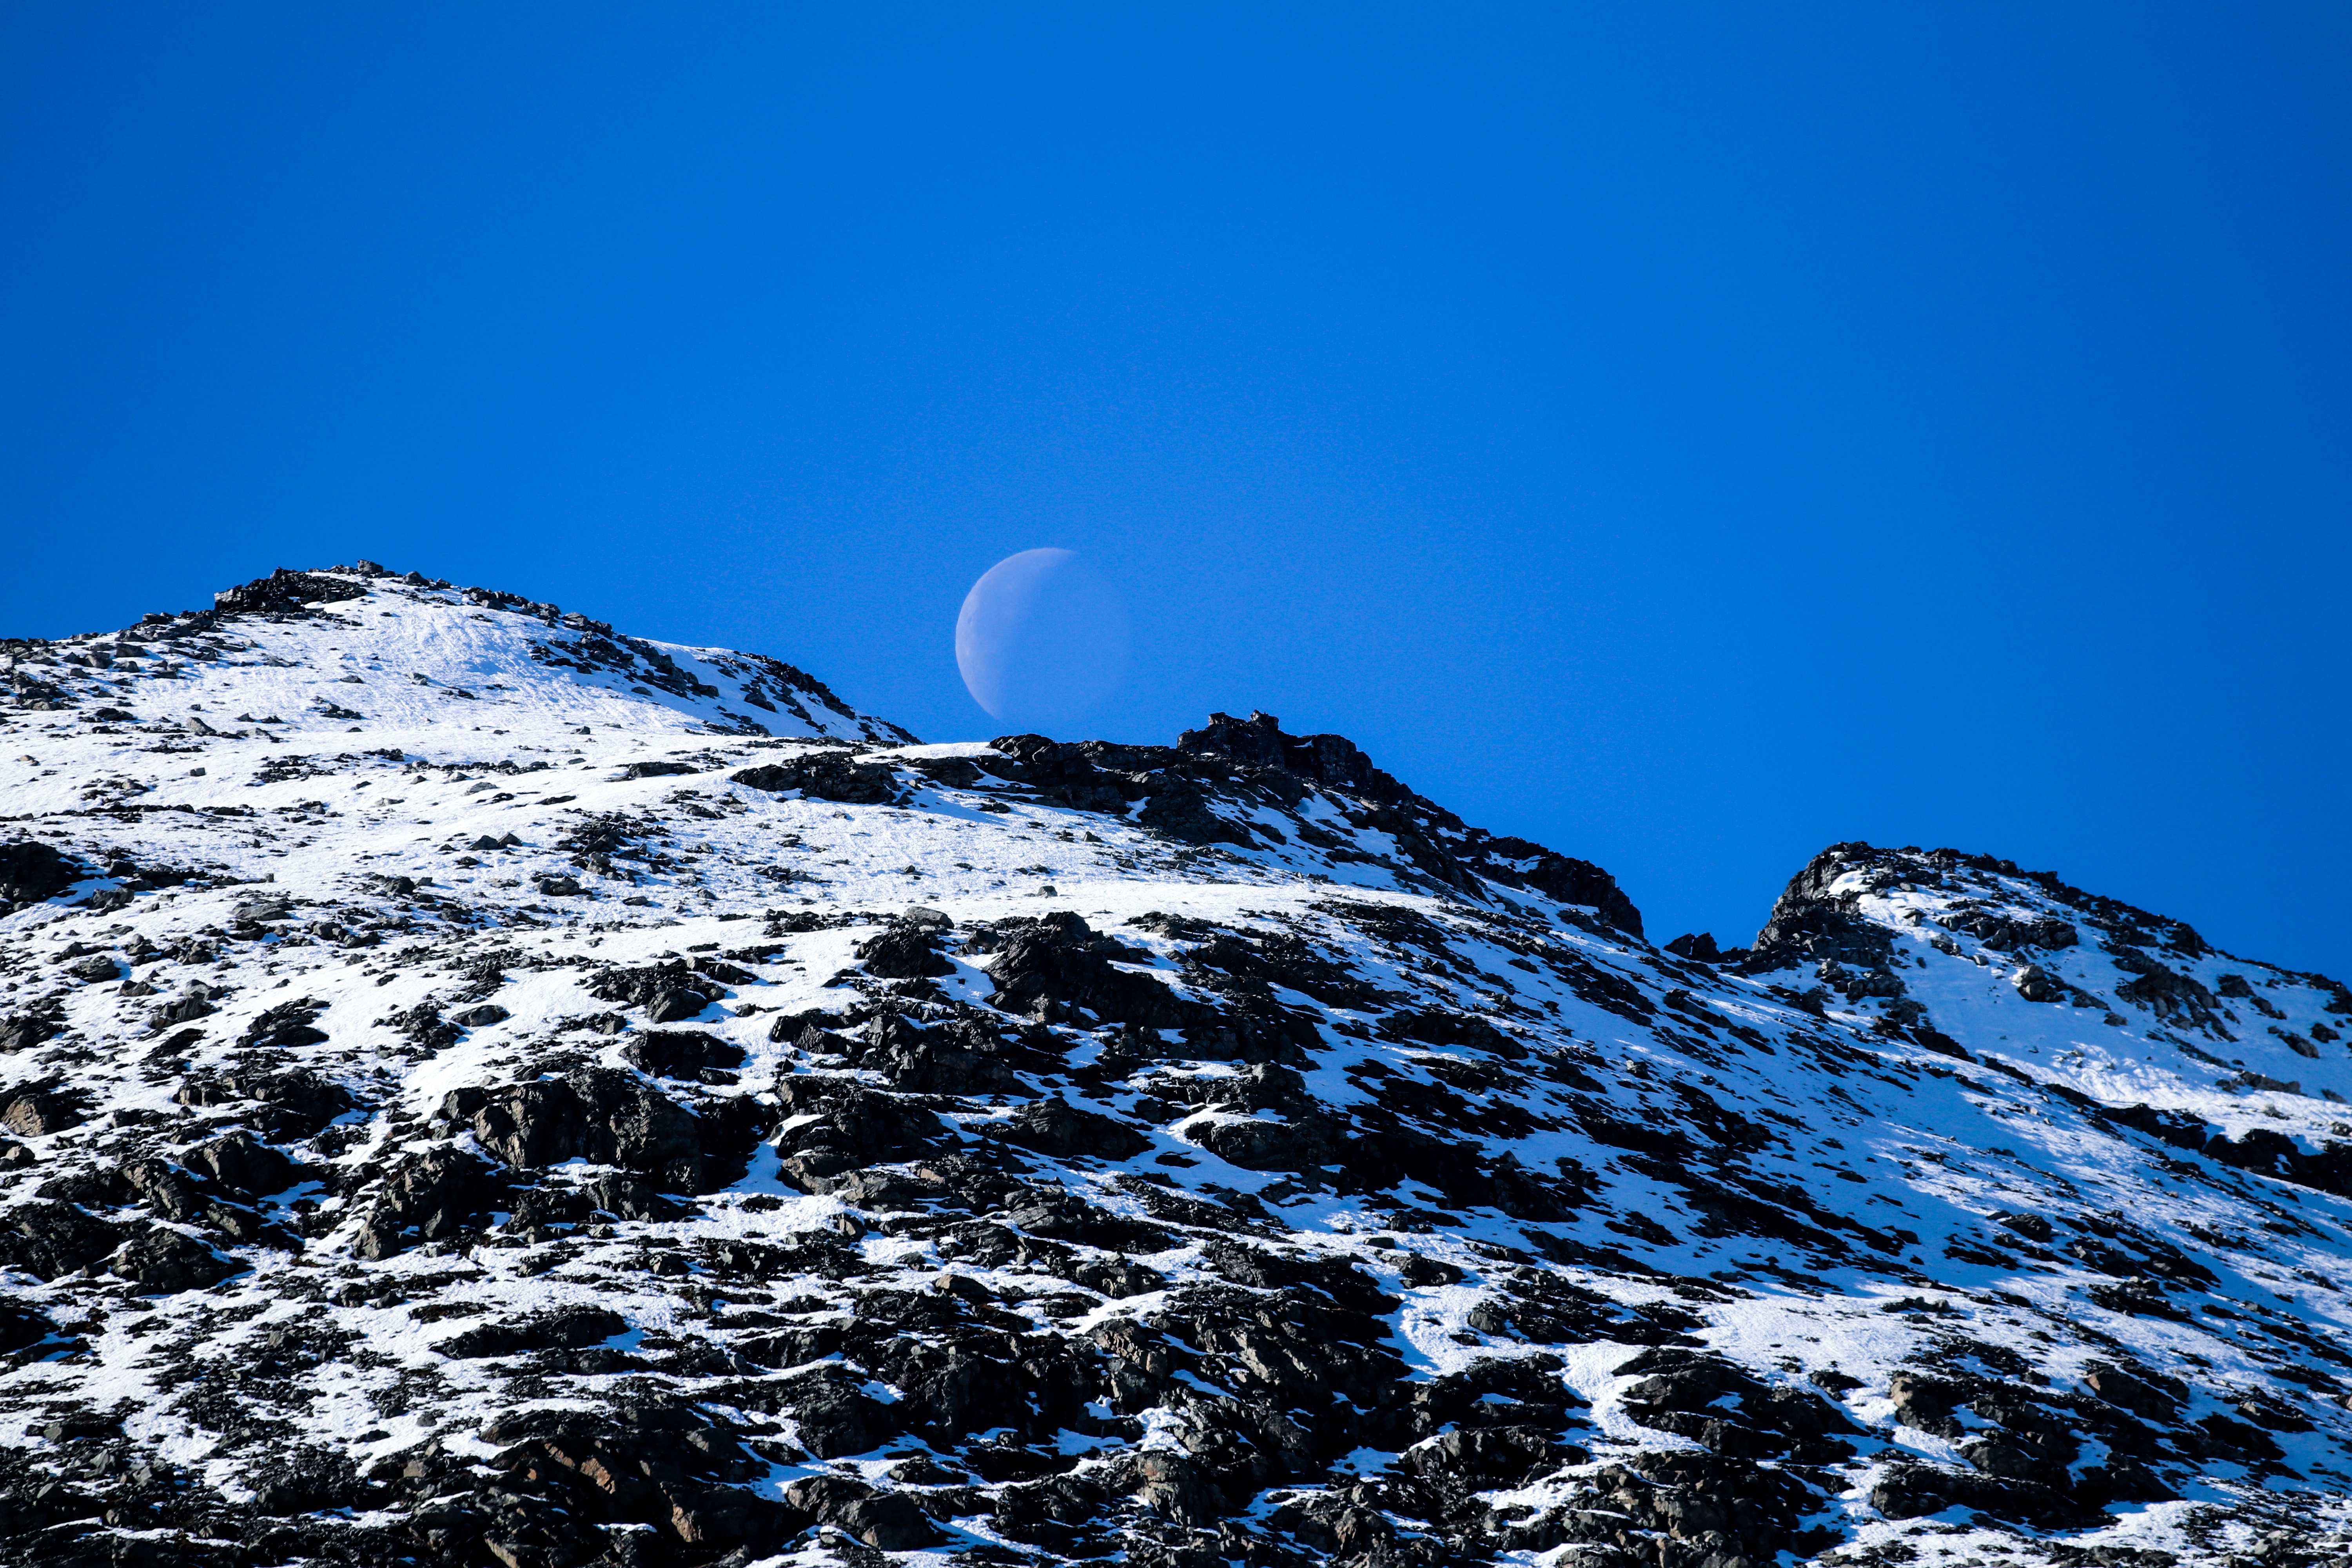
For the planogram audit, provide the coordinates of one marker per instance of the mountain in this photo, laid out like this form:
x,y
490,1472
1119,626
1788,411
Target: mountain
x,y
479,1088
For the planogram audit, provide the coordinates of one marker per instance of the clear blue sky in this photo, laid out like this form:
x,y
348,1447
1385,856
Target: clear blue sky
x,y
1689,436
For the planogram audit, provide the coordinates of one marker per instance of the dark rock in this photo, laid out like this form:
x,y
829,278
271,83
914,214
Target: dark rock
x,y
606,1117
1056,1214
51,1240
1912,1490
2176,998
1697,946
905,952
95,971
21,1326
1560,877
1055,966
1258,740
428,1196
91,1186
21,1034
1492,1455
287,1025
2220,1437
1810,924
681,1053
1434,1027
824,775
1715,1402
837,1416
481,1016
293,1105
570,1328
1055,1127
2144,1393
1927,1401
952,1058
163,1261
31,871
1170,1483
2035,985
656,770
669,991
36,1109
851,1127
236,1163
889,1522
788,1028
285,592
2007,933
1334,1526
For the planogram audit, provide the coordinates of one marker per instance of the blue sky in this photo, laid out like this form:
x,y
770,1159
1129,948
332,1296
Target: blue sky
x,y
1689,436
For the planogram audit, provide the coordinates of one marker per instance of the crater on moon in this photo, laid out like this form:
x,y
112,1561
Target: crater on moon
x,y
1042,640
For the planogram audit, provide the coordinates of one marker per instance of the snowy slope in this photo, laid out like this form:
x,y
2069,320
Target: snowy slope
x,y
483,1089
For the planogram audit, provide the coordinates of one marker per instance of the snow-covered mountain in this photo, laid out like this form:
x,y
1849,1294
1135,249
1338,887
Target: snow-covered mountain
x,y
483,1089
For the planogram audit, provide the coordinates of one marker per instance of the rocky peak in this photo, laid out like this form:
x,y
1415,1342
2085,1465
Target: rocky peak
x,y
1331,760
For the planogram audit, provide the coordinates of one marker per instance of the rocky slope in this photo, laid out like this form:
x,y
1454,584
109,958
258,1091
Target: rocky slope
x,y
482,1089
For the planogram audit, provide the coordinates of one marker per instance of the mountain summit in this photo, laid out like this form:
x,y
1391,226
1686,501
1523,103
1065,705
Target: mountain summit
x,y
483,1089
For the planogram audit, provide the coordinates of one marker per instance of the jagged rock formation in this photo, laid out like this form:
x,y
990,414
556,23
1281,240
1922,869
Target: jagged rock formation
x,y
473,1095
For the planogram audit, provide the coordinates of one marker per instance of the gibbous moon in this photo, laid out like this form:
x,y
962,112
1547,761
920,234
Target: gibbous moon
x,y
1042,640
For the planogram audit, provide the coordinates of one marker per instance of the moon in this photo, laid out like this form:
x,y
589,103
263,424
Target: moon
x,y
1042,640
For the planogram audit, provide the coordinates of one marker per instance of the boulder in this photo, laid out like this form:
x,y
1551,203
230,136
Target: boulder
x,y
36,1109
21,1033
681,1053
1057,1128
837,1416
889,1522
949,1057
1907,1491
428,1196
606,1117
31,871
292,1105
1697,946
285,592
568,1328
2036,985
21,1326
1055,966
51,1240
2143,1394
669,993
838,1126
905,952
1492,1455
163,1261
824,775
239,1163
287,1025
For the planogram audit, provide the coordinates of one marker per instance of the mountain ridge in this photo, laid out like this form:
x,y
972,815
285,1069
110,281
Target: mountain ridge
x,y
640,1138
